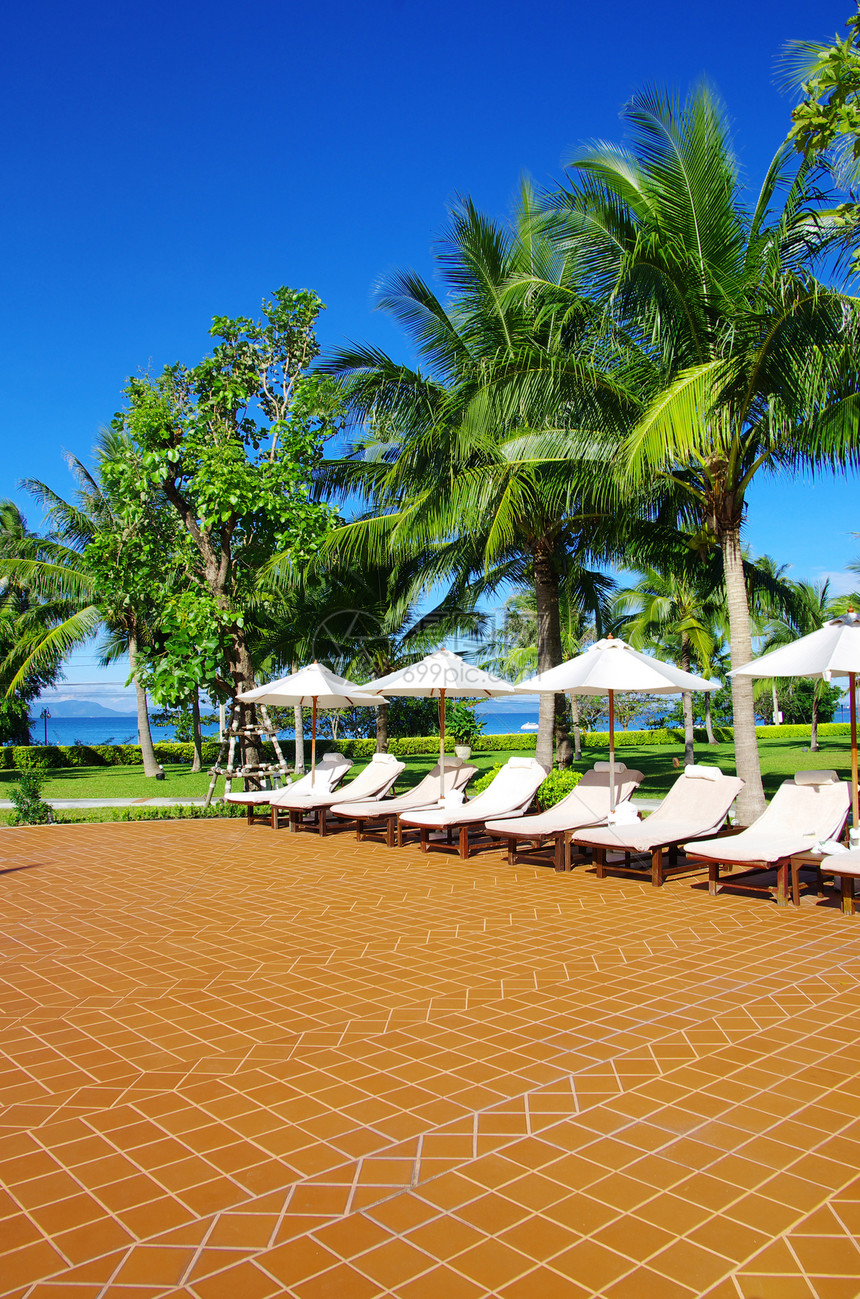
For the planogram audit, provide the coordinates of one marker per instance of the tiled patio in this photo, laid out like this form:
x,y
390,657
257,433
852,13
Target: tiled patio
x,y
239,1064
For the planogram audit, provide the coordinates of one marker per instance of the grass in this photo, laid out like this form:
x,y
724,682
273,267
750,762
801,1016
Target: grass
x,y
780,760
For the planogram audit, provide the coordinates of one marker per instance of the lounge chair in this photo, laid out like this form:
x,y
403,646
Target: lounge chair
x,y
373,817
805,811
331,769
847,866
695,807
373,781
586,805
509,794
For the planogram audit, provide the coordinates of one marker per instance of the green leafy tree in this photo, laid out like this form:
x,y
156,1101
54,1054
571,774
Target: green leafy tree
x,y
677,615
442,464
758,358
812,607
231,444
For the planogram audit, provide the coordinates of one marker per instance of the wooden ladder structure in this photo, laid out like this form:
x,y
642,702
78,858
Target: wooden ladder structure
x,y
263,771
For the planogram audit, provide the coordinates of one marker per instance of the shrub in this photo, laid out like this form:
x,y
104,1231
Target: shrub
x,y
478,786
556,786
79,755
26,795
35,757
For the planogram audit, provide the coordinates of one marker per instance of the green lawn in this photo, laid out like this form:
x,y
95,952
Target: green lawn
x,y
780,760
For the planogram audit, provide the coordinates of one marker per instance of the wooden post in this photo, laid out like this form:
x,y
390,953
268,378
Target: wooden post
x,y
611,751
852,686
441,743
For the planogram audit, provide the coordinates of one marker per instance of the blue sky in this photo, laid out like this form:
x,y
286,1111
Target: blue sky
x,y
164,163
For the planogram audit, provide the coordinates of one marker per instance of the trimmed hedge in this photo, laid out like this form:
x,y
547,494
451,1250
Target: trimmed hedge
x,y
40,757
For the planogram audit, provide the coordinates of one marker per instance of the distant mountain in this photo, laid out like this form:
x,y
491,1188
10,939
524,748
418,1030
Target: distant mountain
x,y
80,708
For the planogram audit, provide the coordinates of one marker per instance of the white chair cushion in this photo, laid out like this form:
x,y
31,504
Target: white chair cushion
x,y
698,772
604,766
815,777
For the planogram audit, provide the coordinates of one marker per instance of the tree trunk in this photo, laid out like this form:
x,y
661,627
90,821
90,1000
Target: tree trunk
x,y
751,802
577,732
813,738
382,728
242,672
299,725
151,765
775,700
687,703
552,713
196,737
709,729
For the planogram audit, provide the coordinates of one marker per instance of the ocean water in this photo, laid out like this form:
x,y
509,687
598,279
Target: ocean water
x,y
501,717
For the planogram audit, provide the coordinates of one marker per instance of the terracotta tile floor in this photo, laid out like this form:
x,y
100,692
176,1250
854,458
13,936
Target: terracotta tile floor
x,y
239,1064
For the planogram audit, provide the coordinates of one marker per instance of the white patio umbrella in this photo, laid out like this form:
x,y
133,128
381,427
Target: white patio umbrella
x,y
439,676
832,651
608,667
316,687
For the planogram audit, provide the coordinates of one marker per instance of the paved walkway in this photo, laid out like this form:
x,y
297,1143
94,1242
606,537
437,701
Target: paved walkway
x,y
240,1064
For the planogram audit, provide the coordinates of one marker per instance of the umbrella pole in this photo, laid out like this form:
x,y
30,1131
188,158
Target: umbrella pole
x,y
441,743
612,751
854,794
313,741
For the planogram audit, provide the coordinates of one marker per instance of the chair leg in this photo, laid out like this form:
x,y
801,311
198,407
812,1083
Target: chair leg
x,y
713,878
399,833
274,817
390,824
464,841
512,851
848,895
782,884
558,853
358,827
599,862
294,821
323,823
657,868
424,833
450,834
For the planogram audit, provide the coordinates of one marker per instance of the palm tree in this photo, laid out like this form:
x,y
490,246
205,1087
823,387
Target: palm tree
x,y
584,601
676,612
67,569
758,358
811,609
443,466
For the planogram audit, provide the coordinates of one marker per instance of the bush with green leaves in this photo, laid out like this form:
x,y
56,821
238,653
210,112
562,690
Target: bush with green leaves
x,y
463,722
557,786
35,757
553,789
26,795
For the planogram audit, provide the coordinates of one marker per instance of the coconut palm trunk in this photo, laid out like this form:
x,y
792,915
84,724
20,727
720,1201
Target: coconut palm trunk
x,y
709,725
552,722
577,731
382,728
813,736
687,702
751,802
151,765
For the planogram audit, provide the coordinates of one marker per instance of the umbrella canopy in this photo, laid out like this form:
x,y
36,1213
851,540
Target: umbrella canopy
x,y
832,651
609,666
314,686
437,676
